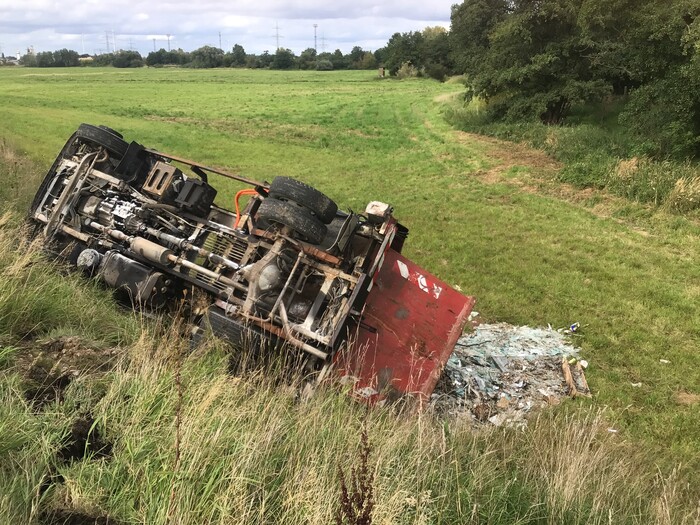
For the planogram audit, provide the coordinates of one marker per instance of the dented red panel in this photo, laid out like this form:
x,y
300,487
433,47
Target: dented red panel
x,y
411,323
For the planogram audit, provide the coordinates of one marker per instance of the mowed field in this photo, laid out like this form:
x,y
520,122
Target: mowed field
x,y
485,216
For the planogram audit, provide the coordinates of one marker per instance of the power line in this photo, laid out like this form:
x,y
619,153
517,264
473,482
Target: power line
x,y
315,47
168,35
323,43
277,35
220,47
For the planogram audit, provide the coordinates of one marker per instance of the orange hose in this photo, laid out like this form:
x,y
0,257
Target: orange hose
x,y
238,209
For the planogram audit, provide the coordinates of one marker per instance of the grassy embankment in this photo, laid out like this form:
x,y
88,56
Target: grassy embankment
x,y
597,151
495,228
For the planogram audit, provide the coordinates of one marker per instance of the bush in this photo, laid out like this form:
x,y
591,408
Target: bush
x,y
407,70
663,116
437,71
324,65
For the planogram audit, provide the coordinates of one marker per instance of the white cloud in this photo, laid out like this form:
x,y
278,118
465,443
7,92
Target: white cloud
x,y
49,25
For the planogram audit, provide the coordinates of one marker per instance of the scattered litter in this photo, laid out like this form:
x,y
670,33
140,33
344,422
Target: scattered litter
x,y
612,430
664,361
573,328
501,372
576,382
636,385
473,315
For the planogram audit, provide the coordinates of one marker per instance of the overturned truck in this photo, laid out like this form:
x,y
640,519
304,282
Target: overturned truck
x,y
289,270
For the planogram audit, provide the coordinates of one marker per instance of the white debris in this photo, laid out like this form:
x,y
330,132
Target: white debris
x,y
500,372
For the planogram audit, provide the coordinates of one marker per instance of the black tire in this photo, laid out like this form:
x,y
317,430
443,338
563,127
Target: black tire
x,y
286,188
112,131
306,226
100,136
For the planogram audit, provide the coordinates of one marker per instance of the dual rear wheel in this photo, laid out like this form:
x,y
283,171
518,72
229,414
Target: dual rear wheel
x,y
294,204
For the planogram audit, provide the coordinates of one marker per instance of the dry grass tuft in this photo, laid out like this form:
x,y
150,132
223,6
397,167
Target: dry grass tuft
x,y
626,168
685,195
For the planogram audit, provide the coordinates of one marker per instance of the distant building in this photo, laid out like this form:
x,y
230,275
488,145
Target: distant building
x,y
9,60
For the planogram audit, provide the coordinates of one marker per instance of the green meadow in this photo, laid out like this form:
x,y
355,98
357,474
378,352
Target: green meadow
x,y
486,216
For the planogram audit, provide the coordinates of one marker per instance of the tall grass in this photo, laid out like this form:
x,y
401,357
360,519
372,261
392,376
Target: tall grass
x,y
37,298
254,452
28,444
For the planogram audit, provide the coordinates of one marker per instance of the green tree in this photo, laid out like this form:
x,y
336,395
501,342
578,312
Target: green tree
x,y
28,60
436,55
339,60
403,48
207,57
663,111
127,59
238,56
534,64
324,61
368,61
44,59
66,58
105,59
156,58
283,59
307,59
355,57
264,60
472,23
380,56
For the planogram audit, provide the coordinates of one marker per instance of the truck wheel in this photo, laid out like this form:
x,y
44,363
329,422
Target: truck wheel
x,y
306,226
286,188
104,137
112,131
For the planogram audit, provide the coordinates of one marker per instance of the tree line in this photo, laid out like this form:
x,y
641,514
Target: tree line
x,y
211,57
526,59
537,59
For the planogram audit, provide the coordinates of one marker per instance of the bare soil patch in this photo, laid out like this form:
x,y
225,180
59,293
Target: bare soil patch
x,y
539,176
49,367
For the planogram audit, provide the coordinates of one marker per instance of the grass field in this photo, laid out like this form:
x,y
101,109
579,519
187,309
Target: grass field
x,y
484,215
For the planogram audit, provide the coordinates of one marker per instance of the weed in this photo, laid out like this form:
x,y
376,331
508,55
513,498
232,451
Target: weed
x,y
356,499
407,70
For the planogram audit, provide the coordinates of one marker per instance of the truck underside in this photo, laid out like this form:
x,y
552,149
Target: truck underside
x,y
289,270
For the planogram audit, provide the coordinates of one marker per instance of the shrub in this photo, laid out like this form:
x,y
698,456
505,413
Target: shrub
x,y
663,116
437,71
407,70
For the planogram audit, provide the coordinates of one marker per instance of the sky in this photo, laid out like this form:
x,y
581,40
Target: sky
x,y
94,26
